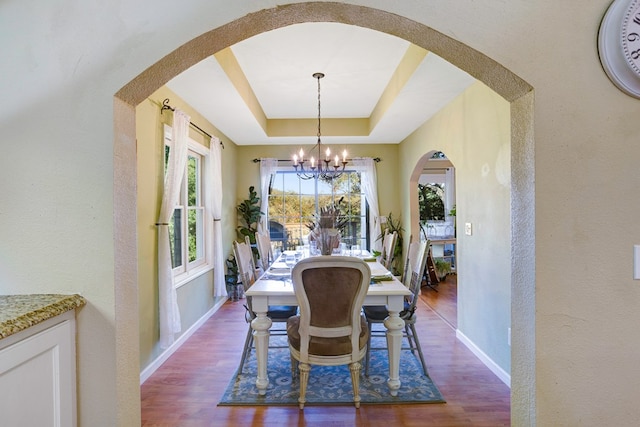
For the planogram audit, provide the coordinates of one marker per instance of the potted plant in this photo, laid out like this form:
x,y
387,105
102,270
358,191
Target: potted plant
x,y
452,212
443,268
249,210
234,291
394,225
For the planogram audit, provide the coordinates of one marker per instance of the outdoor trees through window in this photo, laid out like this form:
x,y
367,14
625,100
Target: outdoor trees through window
x,y
293,201
430,200
187,229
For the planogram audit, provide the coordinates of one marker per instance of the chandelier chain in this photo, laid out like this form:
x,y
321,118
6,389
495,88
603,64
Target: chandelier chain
x,y
323,168
319,108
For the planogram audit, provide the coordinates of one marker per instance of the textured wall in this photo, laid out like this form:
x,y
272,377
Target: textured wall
x,y
67,176
474,132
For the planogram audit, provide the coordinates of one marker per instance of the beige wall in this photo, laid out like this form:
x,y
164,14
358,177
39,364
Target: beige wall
x,y
67,177
474,132
195,298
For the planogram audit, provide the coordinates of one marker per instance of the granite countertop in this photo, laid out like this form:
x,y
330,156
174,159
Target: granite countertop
x,y
19,312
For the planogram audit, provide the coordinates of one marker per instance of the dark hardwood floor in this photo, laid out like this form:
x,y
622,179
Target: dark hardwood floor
x,y
443,299
185,390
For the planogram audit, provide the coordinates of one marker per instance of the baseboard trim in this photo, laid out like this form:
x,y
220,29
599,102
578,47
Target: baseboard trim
x,y
488,362
153,366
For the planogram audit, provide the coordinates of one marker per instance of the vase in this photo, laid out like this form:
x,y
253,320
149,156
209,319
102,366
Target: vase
x,y
232,286
327,239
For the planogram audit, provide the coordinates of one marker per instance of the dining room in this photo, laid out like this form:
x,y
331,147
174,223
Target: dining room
x,y
195,295
194,388
73,220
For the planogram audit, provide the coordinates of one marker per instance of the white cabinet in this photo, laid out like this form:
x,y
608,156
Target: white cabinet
x,y
38,375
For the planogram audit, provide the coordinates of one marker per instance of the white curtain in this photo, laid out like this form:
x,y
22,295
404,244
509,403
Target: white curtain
x,y
268,167
369,181
213,202
449,192
169,313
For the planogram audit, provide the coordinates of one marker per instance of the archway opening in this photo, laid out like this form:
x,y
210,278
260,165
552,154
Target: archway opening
x,y
436,192
501,80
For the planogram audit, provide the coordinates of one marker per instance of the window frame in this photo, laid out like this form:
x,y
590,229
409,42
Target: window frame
x,y
365,238
190,270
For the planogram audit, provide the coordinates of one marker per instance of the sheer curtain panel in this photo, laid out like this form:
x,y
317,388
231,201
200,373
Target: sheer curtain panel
x,y
176,163
369,181
214,205
449,192
268,167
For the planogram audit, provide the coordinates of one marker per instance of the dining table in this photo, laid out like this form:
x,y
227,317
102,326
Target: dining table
x,y
274,287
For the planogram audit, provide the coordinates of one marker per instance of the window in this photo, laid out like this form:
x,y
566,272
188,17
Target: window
x,y
188,233
293,201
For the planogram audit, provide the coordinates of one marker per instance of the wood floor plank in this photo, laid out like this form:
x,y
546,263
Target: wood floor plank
x,y
185,390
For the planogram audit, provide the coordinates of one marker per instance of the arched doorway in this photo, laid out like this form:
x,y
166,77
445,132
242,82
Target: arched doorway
x,y
517,92
434,174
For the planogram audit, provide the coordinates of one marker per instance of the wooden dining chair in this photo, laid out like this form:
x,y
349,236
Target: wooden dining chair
x,y
265,252
414,270
247,273
389,242
330,329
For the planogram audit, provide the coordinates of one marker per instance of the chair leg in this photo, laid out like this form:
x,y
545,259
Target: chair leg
x,y
293,366
419,348
412,344
248,342
366,363
304,379
355,382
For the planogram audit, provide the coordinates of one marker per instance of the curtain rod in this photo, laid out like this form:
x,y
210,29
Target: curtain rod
x,y
166,106
257,160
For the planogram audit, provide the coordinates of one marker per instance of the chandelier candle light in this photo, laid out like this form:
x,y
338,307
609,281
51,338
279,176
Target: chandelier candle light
x,y
326,169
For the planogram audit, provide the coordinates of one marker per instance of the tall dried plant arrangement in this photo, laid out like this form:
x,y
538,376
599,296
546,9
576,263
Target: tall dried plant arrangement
x,y
327,227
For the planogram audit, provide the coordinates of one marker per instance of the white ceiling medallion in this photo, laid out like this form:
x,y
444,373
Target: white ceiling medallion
x,y
619,45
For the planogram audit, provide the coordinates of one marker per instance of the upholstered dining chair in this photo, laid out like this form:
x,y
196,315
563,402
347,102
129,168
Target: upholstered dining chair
x,y
247,273
265,253
389,242
414,270
330,329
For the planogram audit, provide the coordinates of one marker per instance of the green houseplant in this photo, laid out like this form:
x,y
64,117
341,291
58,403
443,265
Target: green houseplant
x,y
391,226
442,268
249,210
234,291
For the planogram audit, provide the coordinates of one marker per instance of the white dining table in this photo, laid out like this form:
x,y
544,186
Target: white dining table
x,y
272,290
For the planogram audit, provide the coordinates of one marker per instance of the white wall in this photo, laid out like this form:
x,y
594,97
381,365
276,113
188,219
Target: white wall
x,y
66,60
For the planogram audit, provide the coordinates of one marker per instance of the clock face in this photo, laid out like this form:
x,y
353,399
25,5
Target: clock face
x,y
619,45
631,36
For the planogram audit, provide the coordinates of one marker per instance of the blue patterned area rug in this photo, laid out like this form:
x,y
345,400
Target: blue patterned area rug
x,y
331,385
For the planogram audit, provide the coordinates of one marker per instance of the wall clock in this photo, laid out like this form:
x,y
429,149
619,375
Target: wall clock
x,y
619,45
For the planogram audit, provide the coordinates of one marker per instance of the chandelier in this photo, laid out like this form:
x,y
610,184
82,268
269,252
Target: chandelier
x,y
327,169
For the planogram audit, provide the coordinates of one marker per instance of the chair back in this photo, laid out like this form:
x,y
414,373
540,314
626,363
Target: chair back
x,y
416,262
263,242
388,248
405,268
330,291
244,259
246,271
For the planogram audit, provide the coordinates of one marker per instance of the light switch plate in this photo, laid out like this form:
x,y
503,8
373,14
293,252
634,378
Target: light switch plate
x,y
636,262
467,228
